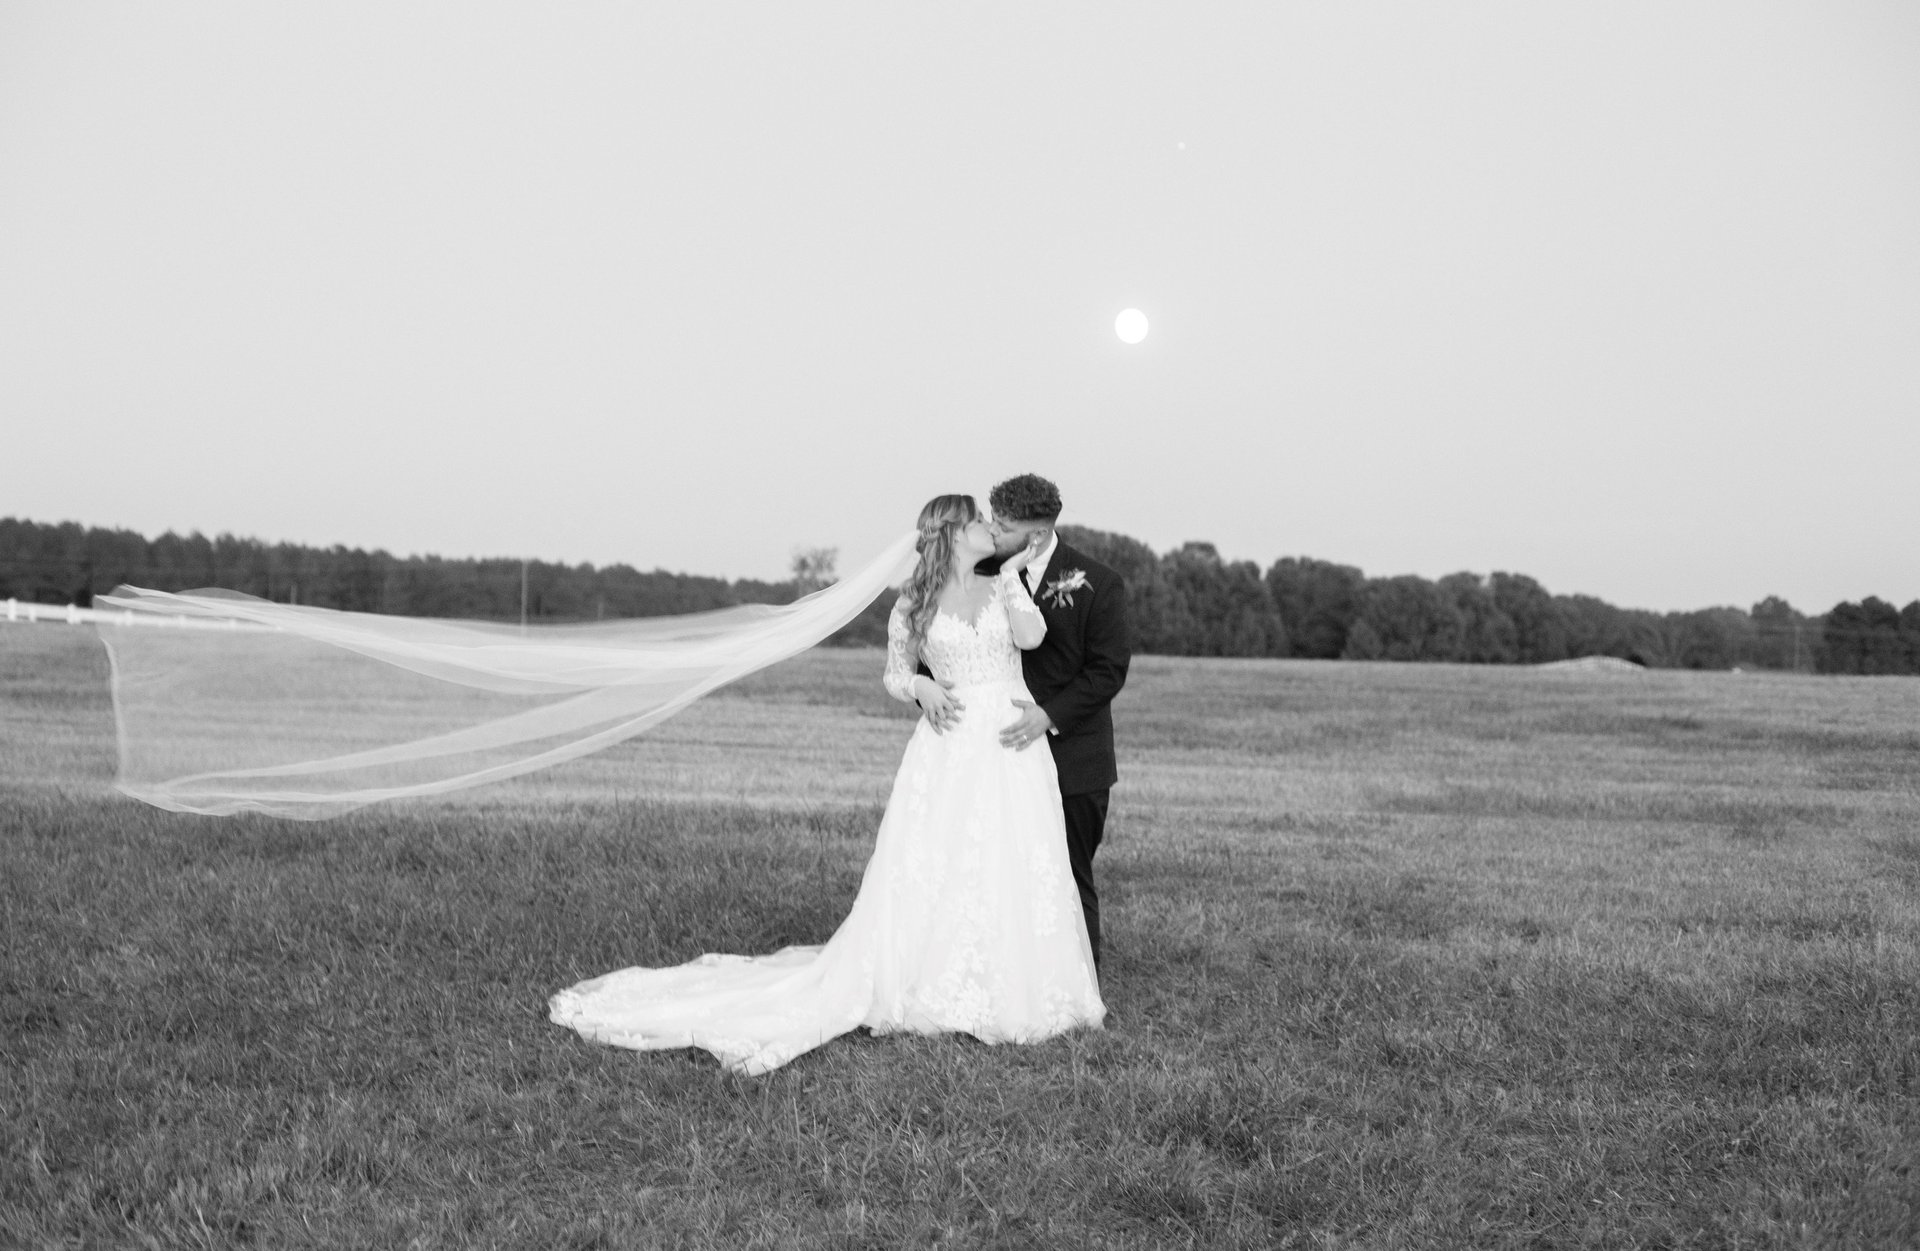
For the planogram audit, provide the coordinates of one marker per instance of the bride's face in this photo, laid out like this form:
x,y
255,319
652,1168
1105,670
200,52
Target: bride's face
x,y
973,542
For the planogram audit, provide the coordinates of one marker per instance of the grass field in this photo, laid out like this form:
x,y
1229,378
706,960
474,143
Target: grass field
x,y
1399,956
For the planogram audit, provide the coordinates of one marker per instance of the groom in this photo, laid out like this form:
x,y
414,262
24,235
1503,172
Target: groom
x,y
1075,671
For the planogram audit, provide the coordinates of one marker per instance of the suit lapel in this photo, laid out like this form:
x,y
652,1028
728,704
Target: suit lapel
x,y
1065,561
1059,615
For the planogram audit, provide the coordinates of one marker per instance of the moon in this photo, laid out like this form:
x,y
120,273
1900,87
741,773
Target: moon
x,y
1131,326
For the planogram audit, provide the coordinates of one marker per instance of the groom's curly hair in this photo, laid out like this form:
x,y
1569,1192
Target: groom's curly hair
x,y
1028,497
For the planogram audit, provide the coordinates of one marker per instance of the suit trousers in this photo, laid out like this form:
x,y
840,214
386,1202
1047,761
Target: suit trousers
x,y
1086,823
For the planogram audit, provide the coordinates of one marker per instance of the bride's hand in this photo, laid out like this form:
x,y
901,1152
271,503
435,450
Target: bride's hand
x,y
1019,559
937,701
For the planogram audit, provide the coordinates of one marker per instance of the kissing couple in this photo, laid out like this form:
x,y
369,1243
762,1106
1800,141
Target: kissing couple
x,y
977,912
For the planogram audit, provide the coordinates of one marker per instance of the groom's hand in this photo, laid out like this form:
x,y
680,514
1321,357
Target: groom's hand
x,y
942,709
1031,727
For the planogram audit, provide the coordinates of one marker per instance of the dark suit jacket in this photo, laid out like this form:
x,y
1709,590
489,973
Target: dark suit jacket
x,y
1079,667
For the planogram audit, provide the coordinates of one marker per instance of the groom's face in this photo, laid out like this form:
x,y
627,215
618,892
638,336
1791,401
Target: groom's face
x,y
1010,536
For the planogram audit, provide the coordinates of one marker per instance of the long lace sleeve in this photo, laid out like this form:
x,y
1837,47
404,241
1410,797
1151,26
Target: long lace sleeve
x,y
903,658
1023,615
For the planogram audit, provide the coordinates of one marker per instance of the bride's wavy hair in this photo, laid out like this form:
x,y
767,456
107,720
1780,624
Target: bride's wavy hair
x,y
939,520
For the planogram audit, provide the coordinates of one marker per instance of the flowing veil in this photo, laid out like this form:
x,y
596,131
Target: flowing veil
x,y
225,703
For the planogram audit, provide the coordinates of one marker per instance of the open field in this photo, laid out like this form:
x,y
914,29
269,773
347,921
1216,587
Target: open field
x,y
1398,956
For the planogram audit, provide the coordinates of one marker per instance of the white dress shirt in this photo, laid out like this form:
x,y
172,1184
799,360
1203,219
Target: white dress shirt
x,y
1036,569
1033,571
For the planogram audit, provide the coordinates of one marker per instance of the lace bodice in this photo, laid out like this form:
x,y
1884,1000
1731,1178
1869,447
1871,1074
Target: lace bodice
x,y
958,651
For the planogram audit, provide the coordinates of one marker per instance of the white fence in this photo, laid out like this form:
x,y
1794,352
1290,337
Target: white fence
x,y
73,614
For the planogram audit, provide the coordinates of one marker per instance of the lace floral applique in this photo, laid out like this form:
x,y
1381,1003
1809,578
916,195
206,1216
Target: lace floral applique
x,y
956,651
903,658
1018,602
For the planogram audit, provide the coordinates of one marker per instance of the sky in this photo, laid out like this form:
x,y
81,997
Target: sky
x,y
1624,296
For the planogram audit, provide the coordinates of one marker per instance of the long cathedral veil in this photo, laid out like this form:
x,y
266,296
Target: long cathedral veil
x,y
226,703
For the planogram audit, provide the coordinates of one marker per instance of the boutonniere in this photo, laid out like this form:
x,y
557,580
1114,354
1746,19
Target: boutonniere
x,y
1059,592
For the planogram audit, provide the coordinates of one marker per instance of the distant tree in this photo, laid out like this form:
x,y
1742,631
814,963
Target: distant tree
x,y
1149,601
1710,638
1597,628
1592,626
1648,639
1411,619
813,568
1221,608
1317,602
1364,642
38,563
113,558
1783,637
1487,635
1539,629
182,562
1865,638
1885,648
1842,645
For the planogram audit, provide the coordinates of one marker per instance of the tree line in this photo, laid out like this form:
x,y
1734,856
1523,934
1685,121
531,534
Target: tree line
x,y
1193,602
1189,601
68,563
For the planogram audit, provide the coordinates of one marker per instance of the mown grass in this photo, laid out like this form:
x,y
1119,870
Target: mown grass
x,y
1398,956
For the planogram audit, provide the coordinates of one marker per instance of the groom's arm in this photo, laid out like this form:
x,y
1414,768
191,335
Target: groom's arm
x,y
1103,671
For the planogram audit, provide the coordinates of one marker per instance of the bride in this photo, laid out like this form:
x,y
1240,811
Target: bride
x,y
967,917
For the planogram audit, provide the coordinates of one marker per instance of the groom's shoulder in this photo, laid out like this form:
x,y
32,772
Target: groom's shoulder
x,y
1070,557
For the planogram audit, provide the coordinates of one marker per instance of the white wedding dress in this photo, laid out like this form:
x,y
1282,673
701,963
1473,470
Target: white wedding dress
x,y
967,918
